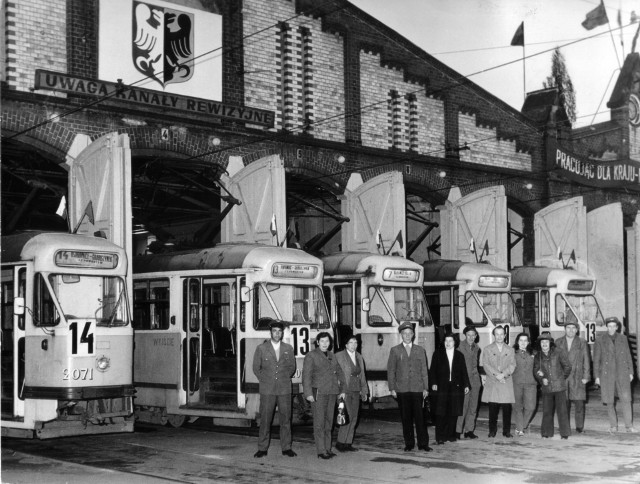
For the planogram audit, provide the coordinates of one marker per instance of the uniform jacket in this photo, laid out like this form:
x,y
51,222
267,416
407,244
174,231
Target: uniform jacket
x,y
523,374
495,362
452,404
556,368
274,375
471,359
611,363
355,380
322,373
580,366
407,373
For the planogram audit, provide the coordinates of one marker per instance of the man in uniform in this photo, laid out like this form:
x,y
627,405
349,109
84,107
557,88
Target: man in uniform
x,y
274,364
408,378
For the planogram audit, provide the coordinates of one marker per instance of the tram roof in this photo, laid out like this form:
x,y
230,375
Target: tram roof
x,y
359,262
457,270
538,276
222,257
25,245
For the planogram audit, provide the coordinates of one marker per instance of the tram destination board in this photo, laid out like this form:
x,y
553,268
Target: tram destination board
x,y
113,91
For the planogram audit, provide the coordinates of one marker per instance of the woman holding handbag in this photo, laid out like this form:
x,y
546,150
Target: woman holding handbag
x,y
450,382
356,389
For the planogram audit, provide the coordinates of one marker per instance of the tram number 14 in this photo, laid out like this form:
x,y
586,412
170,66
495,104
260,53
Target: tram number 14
x,y
81,339
301,340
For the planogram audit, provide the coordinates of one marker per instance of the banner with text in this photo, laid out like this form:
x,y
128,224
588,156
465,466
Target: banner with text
x,y
592,172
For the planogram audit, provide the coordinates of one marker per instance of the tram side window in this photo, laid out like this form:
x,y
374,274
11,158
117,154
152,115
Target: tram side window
x,y
217,318
191,303
151,304
44,310
344,307
7,301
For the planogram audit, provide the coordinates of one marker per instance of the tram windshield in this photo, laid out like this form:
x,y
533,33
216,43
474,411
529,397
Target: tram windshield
x,y
389,304
88,297
584,307
297,305
495,307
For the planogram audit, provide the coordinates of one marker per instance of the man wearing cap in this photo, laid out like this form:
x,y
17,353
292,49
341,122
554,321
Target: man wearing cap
x,y
613,370
471,351
407,375
274,364
578,351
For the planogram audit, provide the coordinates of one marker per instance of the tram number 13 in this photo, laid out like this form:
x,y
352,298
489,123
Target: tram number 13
x,y
81,339
591,332
301,340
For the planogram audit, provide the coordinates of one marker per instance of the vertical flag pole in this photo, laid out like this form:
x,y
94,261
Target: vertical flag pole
x,y
524,76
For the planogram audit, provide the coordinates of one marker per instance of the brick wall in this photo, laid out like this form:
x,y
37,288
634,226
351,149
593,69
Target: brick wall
x,y
634,143
316,63
420,118
35,37
487,149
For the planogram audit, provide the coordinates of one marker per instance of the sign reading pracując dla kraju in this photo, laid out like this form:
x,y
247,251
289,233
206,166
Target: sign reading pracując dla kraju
x,y
591,172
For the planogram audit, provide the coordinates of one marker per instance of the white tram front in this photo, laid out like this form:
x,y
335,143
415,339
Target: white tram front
x,y
199,316
548,297
371,295
67,341
471,294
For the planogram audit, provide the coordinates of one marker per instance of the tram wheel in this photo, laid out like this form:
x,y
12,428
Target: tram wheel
x,y
176,421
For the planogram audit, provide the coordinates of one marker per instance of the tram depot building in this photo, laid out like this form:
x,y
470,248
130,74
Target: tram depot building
x,y
308,124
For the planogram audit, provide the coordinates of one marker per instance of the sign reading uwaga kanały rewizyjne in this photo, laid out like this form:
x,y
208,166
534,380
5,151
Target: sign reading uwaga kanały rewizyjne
x,y
57,81
606,174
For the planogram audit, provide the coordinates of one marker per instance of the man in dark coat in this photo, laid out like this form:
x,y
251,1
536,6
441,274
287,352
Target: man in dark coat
x,y
450,382
613,370
578,351
407,374
322,381
274,364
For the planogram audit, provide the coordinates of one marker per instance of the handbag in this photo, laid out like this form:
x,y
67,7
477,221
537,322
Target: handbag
x,y
342,416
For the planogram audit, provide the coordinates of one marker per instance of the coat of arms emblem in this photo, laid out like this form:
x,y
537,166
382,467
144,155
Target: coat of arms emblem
x,y
162,43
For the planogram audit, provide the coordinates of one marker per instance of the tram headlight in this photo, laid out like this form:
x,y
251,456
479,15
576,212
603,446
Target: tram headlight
x,y
103,363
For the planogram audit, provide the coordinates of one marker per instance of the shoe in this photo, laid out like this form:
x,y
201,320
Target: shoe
x,y
408,449
341,447
508,435
452,439
580,431
470,435
260,453
519,433
350,448
289,453
492,435
631,430
331,454
565,437
324,456
613,430
440,442
426,448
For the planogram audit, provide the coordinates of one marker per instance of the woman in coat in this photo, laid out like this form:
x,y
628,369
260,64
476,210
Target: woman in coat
x,y
322,381
525,386
450,382
613,370
551,368
499,363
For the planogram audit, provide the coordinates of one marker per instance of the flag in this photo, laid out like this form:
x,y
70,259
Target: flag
x,y
88,211
378,239
559,253
273,227
518,37
472,246
596,17
62,208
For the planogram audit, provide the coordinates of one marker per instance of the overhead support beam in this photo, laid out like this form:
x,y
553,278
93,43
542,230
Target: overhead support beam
x,y
335,216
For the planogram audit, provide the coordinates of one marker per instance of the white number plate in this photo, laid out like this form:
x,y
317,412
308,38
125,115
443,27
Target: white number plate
x,y
300,340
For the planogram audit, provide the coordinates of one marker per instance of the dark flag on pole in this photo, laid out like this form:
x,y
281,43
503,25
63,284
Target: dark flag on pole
x,y
518,37
596,17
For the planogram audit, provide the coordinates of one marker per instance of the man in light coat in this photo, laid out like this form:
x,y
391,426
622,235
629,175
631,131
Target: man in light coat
x,y
274,364
578,351
499,363
613,370
408,378
356,389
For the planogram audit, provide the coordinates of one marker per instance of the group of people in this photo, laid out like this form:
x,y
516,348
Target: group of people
x,y
450,388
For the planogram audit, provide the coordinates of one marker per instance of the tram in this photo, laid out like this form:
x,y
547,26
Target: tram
x,y
470,294
67,341
547,298
370,295
199,316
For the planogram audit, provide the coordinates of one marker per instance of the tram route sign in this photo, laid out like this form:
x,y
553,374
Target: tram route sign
x,y
57,81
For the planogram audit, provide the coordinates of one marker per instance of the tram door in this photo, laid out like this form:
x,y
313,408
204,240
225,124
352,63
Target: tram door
x,y
192,344
13,342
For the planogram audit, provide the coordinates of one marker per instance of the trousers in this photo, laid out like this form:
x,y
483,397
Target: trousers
x,y
323,409
267,410
579,413
410,404
352,402
526,400
494,408
555,401
467,421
